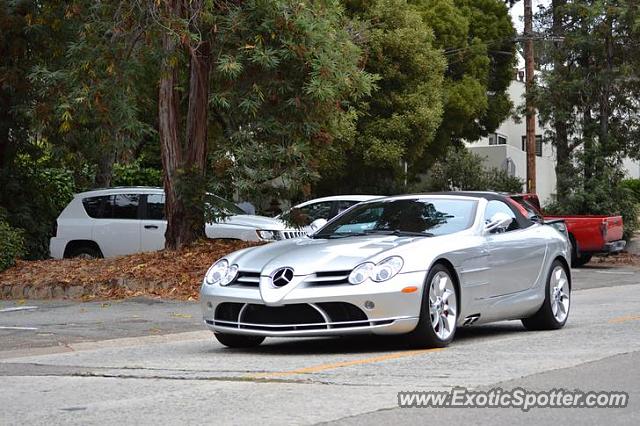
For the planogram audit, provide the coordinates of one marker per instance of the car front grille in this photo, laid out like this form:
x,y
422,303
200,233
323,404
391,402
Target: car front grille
x,y
287,235
329,278
252,278
293,317
247,279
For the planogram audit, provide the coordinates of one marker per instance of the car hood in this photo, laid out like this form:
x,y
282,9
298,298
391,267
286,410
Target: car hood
x,y
257,222
307,256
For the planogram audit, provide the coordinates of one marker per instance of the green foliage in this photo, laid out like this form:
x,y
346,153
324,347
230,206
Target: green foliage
x,y
97,102
11,244
588,90
398,122
632,185
33,195
135,174
606,196
477,37
463,170
284,87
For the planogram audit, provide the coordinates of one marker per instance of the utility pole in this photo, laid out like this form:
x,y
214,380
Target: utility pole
x,y
531,111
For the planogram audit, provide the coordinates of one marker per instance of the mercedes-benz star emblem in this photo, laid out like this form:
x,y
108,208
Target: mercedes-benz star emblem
x,y
281,277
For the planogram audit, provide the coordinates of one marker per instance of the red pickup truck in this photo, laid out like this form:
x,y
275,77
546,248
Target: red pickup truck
x,y
589,234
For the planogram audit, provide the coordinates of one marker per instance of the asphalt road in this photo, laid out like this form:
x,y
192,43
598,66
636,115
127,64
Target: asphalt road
x,y
149,362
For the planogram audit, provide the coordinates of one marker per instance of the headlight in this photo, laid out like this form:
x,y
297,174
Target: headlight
x,y
221,273
382,271
267,235
361,272
387,269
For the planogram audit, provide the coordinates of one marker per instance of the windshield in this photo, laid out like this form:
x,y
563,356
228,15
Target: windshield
x,y
220,205
416,217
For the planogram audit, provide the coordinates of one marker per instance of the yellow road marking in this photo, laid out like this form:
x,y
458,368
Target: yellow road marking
x,y
620,320
332,366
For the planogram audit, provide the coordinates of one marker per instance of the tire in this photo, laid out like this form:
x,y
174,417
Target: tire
x,y
239,340
558,292
581,260
85,252
440,305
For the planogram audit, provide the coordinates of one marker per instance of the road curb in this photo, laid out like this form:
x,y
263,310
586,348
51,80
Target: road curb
x,y
74,291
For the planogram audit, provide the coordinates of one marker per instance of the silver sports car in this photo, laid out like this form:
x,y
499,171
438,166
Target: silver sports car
x,y
418,265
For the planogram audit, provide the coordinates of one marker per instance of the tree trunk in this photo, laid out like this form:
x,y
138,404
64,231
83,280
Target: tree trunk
x,y
196,153
184,212
105,170
168,123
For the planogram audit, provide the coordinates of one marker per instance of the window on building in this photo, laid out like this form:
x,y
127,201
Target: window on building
x,y
538,145
497,139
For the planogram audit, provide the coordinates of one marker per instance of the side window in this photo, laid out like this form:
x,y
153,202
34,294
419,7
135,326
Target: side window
x,y
495,206
303,216
155,207
124,206
95,206
343,205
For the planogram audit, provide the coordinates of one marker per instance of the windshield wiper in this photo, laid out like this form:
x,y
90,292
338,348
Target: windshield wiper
x,y
398,233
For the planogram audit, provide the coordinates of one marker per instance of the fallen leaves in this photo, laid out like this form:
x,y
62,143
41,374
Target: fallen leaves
x,y
166,274
623,258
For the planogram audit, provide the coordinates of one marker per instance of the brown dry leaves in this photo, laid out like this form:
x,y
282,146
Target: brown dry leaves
x,y
168,274
619,259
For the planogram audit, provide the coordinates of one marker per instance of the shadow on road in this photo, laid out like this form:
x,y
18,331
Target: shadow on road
x,y
367,344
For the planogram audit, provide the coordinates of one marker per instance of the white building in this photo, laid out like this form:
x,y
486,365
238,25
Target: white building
x,y
505,149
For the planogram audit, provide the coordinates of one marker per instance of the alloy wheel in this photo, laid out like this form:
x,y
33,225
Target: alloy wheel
x,y
442,305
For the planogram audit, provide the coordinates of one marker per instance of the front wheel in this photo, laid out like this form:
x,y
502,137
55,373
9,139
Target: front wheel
x,y
439,311
239,340
554,311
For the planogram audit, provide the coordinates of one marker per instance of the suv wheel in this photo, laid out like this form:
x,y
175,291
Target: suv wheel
x,y
85,252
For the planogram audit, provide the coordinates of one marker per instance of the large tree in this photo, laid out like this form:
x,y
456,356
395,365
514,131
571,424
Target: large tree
x,y
399,121
588,92
261,89
478,40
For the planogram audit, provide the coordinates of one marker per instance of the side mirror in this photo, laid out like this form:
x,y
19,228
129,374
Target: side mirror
x,y
499,221
315,225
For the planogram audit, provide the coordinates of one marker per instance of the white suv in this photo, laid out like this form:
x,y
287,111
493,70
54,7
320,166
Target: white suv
x,y
119,221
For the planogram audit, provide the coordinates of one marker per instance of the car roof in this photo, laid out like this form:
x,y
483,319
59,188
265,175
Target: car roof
x,y
121,190
357,198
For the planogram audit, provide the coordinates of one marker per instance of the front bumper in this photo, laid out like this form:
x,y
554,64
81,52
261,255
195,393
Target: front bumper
x,y
316,310
57,247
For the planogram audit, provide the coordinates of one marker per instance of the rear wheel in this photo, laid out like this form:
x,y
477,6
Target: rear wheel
x,y
85,252
238,340
577,259
554,311
439,312
581,260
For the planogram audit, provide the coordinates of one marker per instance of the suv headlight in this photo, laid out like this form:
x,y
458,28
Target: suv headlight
x,y
267,235
382,271
221,273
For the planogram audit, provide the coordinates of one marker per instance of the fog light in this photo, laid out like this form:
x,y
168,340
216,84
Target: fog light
x,y
369,305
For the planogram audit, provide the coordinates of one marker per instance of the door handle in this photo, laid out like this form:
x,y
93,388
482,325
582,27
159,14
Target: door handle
x,y
151,227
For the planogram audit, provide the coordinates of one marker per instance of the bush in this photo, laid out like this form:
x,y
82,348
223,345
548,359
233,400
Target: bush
x,y
33,196
632,185
603,197
135,174
11,244
462,170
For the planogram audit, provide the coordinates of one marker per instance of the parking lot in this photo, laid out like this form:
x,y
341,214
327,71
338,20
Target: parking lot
x,y
102,362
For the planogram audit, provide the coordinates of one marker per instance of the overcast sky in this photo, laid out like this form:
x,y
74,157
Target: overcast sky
x,y
517,12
